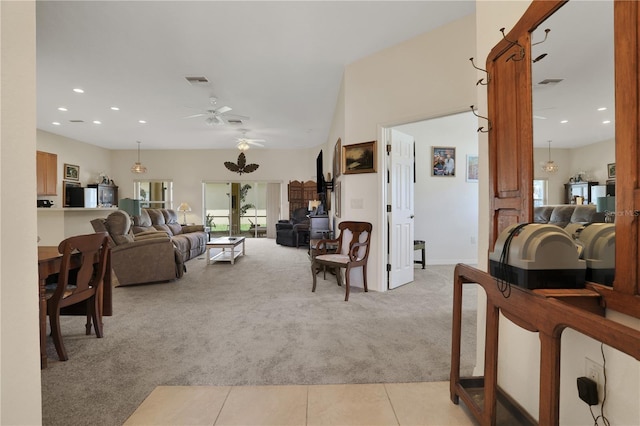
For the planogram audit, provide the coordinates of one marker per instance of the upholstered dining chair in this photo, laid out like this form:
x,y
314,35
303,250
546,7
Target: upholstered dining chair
x,y
352,252
81,277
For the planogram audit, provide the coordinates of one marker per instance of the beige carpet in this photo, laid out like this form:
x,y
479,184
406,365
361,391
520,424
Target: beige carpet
x,y
257,323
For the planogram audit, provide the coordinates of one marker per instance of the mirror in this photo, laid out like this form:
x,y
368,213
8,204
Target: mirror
x,y
573,97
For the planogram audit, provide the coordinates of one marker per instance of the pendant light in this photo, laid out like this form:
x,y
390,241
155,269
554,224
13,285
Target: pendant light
x,y
550,166
138,168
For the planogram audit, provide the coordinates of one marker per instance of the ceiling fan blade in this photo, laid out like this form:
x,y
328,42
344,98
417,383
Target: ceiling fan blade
x,y
196,115
222,110
252,142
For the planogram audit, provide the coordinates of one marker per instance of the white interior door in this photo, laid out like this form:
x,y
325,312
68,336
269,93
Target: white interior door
x,y
401,213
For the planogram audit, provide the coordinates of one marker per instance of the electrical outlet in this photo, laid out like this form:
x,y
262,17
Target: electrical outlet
x,y
595,372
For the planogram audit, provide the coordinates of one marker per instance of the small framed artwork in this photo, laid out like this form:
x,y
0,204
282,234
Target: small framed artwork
x,y
337,159
444,161
359,158
337,204
71,172
472,168
65,193
611,170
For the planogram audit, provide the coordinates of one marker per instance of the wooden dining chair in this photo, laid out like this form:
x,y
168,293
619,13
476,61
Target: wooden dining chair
x,y
81,277
352,252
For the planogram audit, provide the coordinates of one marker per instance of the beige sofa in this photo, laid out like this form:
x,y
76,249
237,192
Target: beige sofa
x,y
190,240
147,257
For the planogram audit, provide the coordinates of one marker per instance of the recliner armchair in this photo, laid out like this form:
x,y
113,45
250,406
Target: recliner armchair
x,y
293,232
144,258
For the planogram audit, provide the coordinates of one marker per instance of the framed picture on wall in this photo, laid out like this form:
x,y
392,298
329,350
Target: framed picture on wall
x,y
359,158
444,161
611,170
71,172
472,168
337,159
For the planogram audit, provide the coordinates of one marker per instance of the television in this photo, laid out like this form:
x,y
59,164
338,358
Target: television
x,y
320,175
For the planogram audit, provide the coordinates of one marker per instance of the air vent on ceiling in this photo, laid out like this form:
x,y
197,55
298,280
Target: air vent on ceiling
x,y
76,121
234,121
197,80
551,81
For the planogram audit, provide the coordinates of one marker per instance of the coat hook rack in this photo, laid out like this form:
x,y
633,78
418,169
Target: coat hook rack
x,y
514,56
481,128
482,80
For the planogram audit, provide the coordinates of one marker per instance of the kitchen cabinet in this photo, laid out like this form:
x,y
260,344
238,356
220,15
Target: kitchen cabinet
x,y
47,173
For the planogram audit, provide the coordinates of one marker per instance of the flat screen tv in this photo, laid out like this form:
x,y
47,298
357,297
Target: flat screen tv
x,y
319,175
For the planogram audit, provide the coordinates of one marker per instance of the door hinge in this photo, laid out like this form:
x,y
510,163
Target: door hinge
x,y
388,267
388,149
388,208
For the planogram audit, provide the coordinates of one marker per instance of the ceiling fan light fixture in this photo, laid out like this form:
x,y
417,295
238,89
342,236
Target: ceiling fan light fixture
x,y
137,167
243,145
550,166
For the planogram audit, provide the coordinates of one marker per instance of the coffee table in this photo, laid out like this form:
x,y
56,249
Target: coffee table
x,y
230,250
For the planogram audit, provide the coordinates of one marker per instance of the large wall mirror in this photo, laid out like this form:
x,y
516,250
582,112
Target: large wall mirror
x,y
578,88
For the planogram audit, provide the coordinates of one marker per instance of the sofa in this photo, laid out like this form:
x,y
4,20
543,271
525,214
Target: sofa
x,y
295,231
190,240
147,257
565,214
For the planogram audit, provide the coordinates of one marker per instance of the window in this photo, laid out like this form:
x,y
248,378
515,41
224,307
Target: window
x,y
540,192
155,194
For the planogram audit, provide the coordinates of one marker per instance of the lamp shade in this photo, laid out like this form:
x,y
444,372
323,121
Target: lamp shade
x,y
184,207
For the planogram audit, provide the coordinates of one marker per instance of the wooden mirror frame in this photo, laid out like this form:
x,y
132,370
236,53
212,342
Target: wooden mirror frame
x,y
511,140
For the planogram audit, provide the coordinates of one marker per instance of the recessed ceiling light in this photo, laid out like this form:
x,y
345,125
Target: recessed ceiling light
x,y
142,122
606,122
602,109
55,123
115,108
564,121
97,122
78,90
62,109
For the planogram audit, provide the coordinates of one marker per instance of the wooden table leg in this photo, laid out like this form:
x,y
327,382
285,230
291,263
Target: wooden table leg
x,y
42,307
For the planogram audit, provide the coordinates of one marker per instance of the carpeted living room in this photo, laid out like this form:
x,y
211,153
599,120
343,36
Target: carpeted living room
x,y
254,323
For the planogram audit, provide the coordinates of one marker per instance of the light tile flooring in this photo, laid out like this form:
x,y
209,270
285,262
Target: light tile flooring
x,y
361,404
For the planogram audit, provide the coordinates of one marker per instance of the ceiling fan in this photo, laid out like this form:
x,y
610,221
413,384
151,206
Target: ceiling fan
x,y
245,143
214,115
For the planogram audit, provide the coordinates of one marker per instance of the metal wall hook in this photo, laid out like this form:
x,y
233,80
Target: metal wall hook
x,y
481,128
546,33
481,81
514,56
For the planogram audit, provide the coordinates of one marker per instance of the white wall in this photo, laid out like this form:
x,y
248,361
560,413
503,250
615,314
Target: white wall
x,y
518,366
424,77
446,208
20,399
187,169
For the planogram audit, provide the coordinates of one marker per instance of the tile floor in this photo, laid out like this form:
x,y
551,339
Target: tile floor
x,y
361,404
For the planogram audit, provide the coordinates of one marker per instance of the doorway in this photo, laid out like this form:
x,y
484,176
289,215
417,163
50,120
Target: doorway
x,y
241,208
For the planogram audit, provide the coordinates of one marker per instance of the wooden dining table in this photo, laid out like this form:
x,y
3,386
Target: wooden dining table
x,y
49,261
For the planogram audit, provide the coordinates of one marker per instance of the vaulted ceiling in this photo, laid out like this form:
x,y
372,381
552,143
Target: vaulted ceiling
x,y
277,65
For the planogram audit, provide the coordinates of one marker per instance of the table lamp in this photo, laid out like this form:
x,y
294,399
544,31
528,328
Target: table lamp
x,y
184,208
313,205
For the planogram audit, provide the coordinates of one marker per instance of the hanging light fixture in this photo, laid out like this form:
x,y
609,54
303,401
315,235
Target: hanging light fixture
x,y
550,166
138,168
243,145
